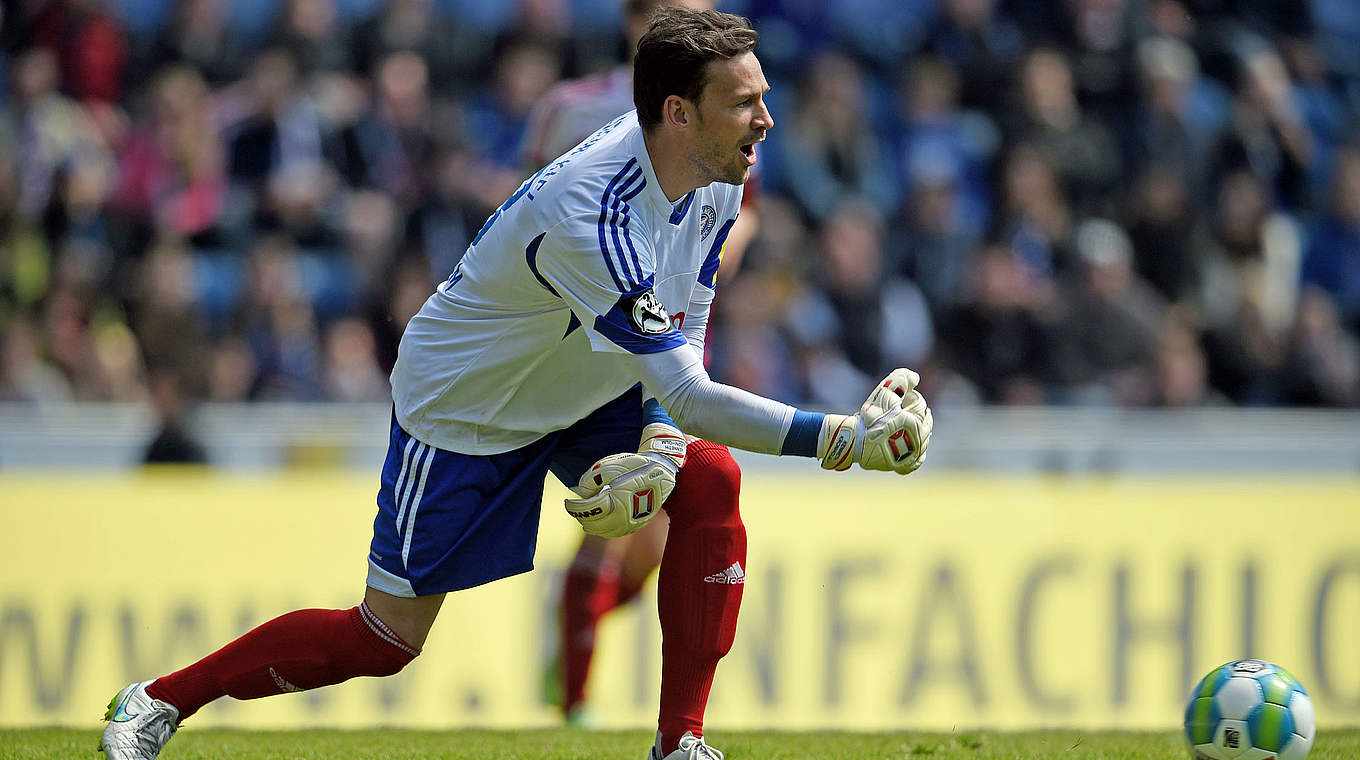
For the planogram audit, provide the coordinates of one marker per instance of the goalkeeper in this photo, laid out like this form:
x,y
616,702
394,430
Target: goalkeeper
x,y
569,338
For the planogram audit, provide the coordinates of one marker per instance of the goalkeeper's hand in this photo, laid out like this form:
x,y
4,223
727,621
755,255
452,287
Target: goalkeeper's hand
x,y
891,430
622,492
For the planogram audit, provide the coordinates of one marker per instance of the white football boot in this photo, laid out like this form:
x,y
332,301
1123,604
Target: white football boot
x,y
691,748
139,726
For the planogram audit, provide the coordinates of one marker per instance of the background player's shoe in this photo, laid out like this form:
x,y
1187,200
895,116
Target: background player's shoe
x,y
139,726
691,748
580,717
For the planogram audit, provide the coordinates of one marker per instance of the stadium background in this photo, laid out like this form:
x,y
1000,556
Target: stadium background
x,y
1120,238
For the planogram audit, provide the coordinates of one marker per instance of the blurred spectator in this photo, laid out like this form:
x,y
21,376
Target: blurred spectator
x,y
983,45
232,371
1169,127
49,130
1001,339
165,311
451,55
352,372
939,139
90,46
284,154
1097,37
1035,216
24,375
1111,321
173,443
311,31
499,114
937,247
880,32
171,170
394,140
280,327
69,339
197,36
862,321
1049,118
1161,217
1249,255
1323,366
829,152
544,25
1333,260
1182,376
1268,134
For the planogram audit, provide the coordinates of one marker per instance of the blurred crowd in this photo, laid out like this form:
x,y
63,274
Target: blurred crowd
x,y
1115,202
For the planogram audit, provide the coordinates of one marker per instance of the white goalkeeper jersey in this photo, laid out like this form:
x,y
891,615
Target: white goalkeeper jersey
x,y
587,262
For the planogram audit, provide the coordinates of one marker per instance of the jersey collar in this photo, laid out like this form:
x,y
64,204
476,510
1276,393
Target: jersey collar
x,y
656,198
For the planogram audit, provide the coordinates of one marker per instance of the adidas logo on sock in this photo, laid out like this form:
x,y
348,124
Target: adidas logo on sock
x,y
731,575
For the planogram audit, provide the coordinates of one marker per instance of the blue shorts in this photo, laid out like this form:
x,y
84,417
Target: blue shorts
x,y
448,521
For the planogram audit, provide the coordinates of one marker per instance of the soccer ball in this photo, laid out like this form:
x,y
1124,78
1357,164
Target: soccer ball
x,y
1249,710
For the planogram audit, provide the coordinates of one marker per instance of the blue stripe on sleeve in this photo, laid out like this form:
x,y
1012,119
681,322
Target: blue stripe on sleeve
x,y
637,343
618,220
604,215
617,326
627,233
801,440
653,411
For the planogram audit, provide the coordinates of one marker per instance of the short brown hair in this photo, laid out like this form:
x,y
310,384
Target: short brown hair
x,y
673,56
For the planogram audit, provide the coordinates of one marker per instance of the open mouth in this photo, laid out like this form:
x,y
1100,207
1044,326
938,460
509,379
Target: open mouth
x,y
748,151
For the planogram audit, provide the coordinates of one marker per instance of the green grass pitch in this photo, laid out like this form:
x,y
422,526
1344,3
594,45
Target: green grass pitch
x,y
65,744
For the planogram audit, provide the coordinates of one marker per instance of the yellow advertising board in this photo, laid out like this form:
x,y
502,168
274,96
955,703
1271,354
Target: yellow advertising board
x,y
940,601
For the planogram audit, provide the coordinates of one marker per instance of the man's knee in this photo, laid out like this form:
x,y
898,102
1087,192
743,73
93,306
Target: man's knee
x,y
708,487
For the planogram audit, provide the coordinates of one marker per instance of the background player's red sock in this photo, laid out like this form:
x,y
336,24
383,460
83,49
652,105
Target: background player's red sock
x,y
699,590
591,590
301,650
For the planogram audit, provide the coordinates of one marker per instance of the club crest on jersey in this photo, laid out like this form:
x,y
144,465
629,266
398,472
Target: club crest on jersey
x,y
649,316
707,218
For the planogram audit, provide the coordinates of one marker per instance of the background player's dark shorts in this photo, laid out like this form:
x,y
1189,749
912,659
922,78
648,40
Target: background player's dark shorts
x,y
448,521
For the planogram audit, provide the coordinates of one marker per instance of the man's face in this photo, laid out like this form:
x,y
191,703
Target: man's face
x,y
731,118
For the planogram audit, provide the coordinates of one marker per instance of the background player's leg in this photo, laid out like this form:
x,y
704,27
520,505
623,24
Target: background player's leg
x,y
592,584
641,557
605,574
699,591
306,649
588,592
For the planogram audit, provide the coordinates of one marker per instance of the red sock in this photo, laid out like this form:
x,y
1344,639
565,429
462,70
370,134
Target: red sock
x,y
302,650
703,573
591,588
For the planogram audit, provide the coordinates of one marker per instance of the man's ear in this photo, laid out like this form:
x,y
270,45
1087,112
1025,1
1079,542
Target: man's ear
x,y
677,112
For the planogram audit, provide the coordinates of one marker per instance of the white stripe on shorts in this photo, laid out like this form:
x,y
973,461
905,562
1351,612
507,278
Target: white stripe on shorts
x,y
415,504
405,464
404,495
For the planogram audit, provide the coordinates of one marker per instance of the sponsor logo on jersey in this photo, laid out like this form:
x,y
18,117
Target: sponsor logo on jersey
x,y
707,219
649,316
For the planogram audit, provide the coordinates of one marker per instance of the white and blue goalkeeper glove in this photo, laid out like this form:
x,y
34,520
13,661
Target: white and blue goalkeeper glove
x,y
622,492
890,432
